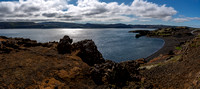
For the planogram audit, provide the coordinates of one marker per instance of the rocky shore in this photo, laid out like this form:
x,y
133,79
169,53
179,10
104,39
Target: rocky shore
x,y
25,63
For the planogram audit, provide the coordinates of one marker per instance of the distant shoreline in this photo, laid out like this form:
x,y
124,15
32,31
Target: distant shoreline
x,y
46,25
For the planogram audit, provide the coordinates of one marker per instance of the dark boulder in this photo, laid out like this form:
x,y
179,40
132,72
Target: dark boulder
x,y
110,73
88,52
64,46
133,68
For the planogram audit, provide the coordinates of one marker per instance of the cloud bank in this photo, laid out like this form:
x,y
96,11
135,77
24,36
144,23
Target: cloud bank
x,y
185,19
84,11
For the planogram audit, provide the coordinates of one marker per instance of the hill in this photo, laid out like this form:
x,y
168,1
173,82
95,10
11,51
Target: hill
x,y
12,25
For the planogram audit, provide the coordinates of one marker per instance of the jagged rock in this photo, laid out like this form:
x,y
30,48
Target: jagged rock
x,y
132,67
4,49
109,73
88,52
64,46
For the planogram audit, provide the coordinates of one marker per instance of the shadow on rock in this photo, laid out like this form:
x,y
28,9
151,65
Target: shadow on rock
x,y
64,46
115,73
88,52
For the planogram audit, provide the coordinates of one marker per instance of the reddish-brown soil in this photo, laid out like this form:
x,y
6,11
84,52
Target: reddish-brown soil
x,y
42,67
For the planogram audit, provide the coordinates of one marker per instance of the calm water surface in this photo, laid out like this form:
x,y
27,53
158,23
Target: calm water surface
x,y
115,44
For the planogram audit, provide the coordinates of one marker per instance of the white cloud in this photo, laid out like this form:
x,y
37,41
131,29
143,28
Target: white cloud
x,y
85,10
151,10
185,19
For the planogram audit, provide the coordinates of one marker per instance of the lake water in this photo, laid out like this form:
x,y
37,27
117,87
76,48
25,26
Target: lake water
x,y
115,44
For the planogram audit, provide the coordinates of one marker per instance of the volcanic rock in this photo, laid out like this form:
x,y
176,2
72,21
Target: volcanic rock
x,y
64,46
88,52
109,73
132,68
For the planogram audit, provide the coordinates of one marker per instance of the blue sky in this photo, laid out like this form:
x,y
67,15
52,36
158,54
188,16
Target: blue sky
x,y
168,12
190,8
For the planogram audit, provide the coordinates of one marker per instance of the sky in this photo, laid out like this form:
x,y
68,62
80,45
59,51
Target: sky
x,y
152,12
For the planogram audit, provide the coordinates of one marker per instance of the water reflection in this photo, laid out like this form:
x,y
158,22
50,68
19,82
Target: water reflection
x,y
72,32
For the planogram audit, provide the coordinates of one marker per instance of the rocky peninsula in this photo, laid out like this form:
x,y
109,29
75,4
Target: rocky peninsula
x,y
25,63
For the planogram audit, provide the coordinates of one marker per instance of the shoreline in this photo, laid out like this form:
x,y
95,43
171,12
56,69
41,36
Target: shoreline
x,y
154,53
173,37
167,46
170,44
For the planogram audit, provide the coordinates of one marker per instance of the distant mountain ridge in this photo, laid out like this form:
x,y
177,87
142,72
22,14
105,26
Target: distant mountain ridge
x,y
10,25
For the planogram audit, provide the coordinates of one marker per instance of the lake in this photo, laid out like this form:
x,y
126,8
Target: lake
x,y
114,44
